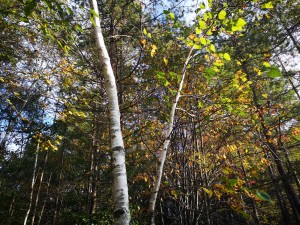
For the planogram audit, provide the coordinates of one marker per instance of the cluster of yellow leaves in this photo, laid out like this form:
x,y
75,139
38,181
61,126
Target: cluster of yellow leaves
x,y
48,143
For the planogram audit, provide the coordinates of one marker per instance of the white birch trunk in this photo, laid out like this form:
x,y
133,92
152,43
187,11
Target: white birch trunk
x,y
33,181
120,187
166,143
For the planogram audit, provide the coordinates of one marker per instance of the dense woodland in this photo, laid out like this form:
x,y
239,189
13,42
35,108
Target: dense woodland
x,y
206,112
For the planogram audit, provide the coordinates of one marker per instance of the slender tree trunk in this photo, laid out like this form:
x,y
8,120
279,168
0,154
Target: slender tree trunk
x,y
281,202
289,79
162,157
93,172
297,46
58,194
120,188
290,167
44,202
33,180
11,210
39,189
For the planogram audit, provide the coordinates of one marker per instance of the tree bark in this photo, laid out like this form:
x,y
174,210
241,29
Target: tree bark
x,y
162,157
33,181
120,188
39,190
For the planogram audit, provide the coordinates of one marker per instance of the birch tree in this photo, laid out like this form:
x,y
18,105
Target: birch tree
x,y
120,188
163,154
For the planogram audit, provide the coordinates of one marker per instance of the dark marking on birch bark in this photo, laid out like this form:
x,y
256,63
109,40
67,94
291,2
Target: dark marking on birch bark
x,y
118,213
118,148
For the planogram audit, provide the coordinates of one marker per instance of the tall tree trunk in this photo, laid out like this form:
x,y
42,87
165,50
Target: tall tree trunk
x,y
58,189
33,180
39,189
289,79
93,171
162,157
284,210
120,188
45,200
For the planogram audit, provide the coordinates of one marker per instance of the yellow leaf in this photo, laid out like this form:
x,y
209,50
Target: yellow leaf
x,y
143,42
203,41
192,36
222,15
218,194
227,56
48,81
173,193
268,5
153,50
145,31
219,186
209,192
202,24
165,60
212,48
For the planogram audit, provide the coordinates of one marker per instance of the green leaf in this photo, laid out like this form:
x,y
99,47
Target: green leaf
x,y
166,12
274,72
79,28
222,15
24,19
202,24
232,182
48,3
244,214
227,56
93,21
198,30
94,13
29,8
211,72
173,75
263,196
160,75
60,44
